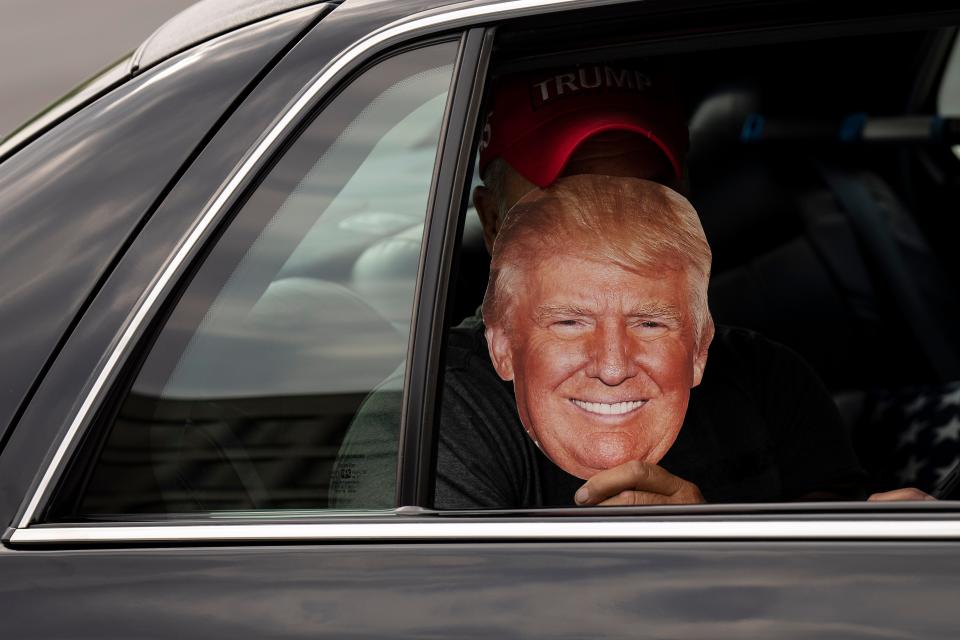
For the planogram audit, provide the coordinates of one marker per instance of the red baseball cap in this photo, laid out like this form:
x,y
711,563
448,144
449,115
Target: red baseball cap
x,y
538,119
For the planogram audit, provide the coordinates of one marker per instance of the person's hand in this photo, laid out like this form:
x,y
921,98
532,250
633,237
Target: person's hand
x,y
907,493
636,483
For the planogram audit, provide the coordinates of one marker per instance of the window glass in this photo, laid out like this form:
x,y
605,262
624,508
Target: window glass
x,y
302,308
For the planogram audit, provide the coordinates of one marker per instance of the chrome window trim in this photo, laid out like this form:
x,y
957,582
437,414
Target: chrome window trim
x,y
525,531
416,25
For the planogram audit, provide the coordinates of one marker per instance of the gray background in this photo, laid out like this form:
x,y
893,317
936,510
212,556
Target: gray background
x,y
47,47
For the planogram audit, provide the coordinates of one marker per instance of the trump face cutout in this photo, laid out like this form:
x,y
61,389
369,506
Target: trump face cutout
x,y
602,360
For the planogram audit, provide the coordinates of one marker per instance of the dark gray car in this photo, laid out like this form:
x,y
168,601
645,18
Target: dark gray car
x,y
216,252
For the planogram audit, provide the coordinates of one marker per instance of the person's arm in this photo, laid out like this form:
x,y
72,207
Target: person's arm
x,y
898,495
483,456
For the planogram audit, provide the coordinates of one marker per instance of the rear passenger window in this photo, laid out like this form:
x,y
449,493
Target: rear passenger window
x,y
299,311
834,366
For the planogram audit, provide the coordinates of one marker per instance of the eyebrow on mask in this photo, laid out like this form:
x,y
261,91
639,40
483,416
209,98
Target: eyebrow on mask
x,y
653,310
550,311
657,311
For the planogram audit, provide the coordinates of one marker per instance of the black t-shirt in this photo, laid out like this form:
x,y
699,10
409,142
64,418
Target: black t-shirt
x,y
759,428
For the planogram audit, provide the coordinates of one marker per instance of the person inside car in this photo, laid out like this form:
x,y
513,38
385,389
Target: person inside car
x,y
596,311
602,119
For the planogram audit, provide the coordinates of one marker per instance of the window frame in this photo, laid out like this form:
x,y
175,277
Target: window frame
x,y
448,194
833,521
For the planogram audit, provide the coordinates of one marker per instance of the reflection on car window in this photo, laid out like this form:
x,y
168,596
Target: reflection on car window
x,y
300,310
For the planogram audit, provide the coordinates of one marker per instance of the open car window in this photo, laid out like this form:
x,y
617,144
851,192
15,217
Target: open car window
x,y
835,370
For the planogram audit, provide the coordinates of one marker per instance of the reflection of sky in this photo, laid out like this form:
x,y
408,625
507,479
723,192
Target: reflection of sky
x,y
574,590
387,194
73,195
304,336
336,318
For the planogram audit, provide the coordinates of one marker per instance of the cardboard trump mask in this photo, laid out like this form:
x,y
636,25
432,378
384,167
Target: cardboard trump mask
x,y
596,309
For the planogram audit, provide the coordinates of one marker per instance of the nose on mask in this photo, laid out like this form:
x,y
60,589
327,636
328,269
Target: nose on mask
x,y
612,357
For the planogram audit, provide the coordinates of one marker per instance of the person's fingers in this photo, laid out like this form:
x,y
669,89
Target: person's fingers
x,y
634,475
904,494
635,498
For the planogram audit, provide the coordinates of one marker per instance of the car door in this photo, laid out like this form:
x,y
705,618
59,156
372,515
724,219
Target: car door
x,y
162,483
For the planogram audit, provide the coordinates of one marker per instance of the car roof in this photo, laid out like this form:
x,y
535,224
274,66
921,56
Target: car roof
x,y
205,20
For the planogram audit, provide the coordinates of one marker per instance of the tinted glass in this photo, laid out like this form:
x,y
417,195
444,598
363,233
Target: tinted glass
x,y
299,311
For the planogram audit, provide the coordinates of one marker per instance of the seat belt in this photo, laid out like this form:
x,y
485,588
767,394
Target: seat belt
x,y
868,220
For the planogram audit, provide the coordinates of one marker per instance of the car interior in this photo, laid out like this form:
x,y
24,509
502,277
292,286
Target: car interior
x,y
825,174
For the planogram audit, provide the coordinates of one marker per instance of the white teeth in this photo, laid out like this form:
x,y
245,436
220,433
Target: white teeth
x,y
615,409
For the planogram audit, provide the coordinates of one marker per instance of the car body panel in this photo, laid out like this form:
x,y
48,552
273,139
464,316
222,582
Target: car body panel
x,y
84,187
98,85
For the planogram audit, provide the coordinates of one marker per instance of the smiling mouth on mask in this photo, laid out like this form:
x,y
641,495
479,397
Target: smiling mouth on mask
x,y
609,409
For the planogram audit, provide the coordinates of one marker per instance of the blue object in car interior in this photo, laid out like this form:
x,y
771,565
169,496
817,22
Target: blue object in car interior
x,y
752,130
851,130
938,128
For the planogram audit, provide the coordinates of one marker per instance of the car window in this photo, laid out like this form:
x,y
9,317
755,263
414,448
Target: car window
x,y
300,309
834,368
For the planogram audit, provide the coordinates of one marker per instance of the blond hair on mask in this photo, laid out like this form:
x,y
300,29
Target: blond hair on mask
x,y
637,224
